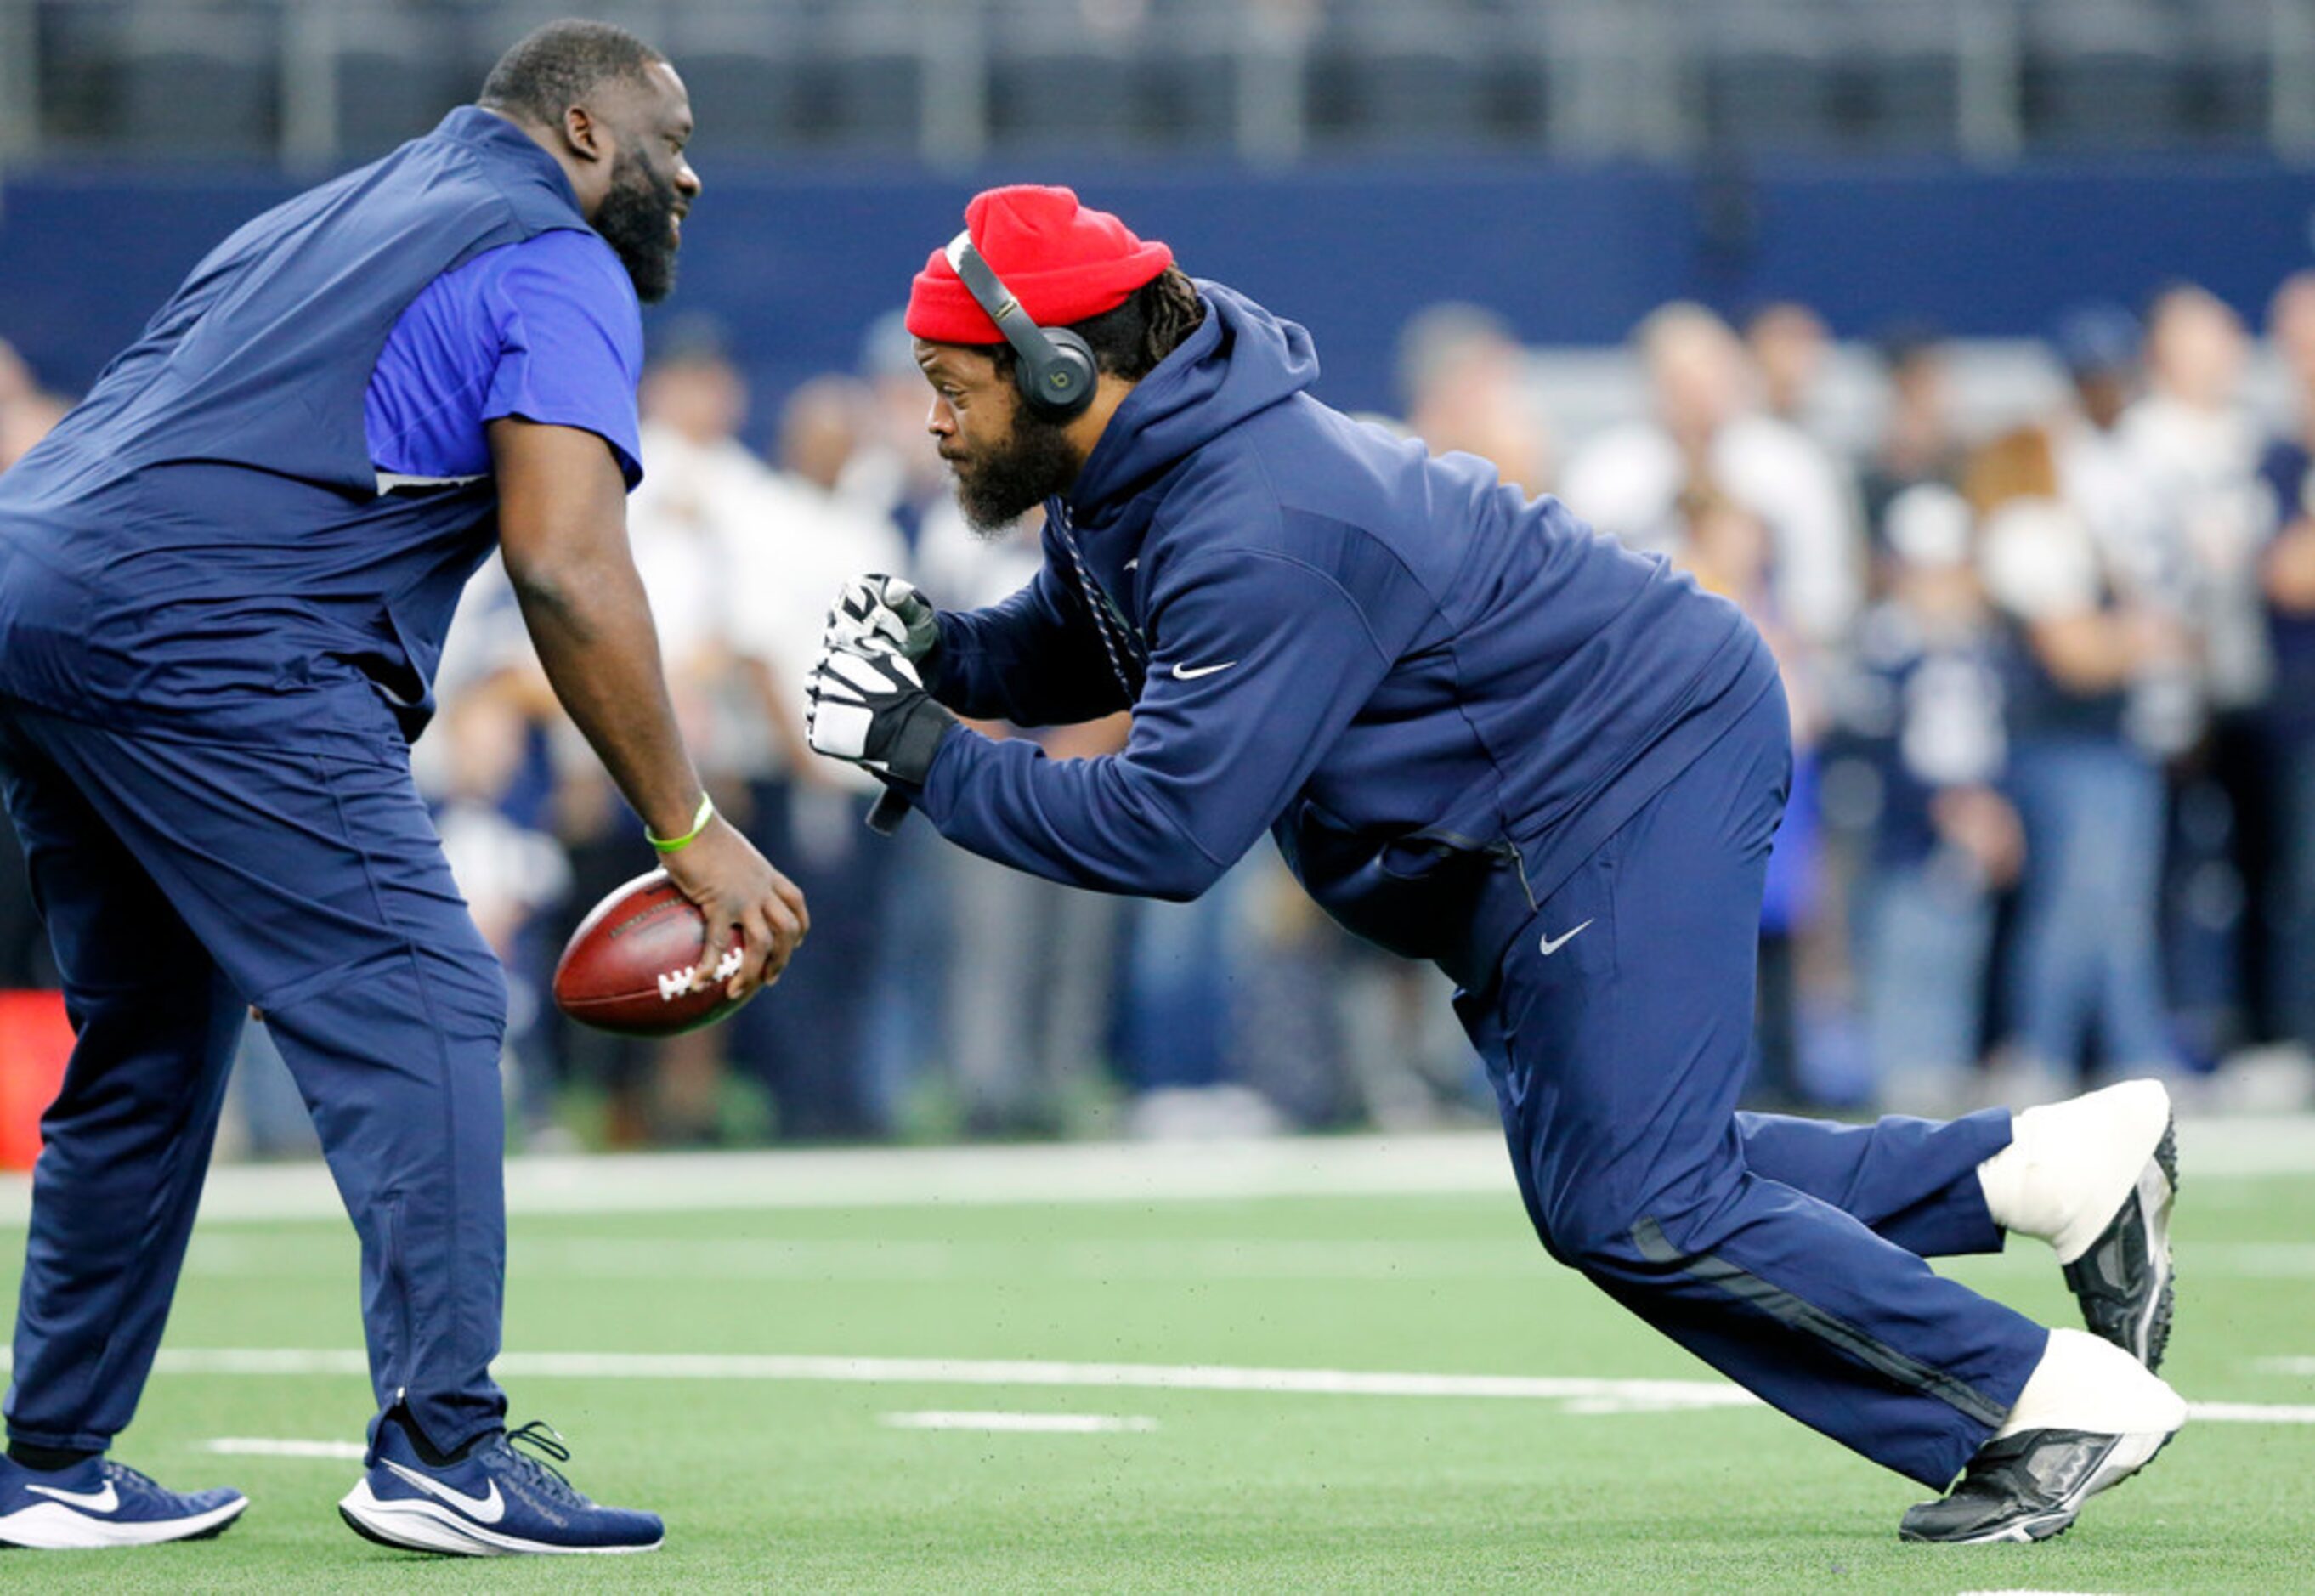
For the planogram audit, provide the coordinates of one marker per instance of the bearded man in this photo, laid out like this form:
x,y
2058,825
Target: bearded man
x,y
225,580
1485,737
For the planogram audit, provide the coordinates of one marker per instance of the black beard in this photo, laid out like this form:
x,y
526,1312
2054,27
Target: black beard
x,y
998,489
637,220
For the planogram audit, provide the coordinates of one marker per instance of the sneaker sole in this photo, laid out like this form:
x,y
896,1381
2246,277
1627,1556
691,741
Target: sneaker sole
x,y
2147,1210
52,1527
417,1525
2131,1453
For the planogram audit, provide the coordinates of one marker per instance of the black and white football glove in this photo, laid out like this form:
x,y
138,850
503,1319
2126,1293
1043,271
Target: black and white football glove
x,y
867,705
878,611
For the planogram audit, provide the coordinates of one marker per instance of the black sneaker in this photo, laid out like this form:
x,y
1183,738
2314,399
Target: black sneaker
x,y
2029,1486
2125,1282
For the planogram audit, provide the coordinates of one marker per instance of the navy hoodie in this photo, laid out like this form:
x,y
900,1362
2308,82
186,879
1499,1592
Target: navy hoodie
x,y
1440,696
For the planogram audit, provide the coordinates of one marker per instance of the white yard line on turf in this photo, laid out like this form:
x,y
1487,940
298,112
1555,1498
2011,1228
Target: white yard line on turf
x,y
1462,1163
231,1253
254,1446
2249,1412
1025,1423
1577,1395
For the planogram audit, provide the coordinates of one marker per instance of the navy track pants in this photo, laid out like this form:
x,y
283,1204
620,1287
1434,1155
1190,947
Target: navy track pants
x,y
1787,1253
180,880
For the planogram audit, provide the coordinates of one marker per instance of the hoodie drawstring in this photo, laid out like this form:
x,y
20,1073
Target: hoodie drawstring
x,y
1117,640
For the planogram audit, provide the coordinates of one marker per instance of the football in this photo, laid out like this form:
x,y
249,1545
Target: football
x,y
634,965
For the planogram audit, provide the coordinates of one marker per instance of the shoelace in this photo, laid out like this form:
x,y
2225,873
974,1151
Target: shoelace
x,y
130,1481
542,1437
132,1484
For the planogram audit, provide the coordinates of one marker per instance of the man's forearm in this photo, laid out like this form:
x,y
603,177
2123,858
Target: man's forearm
x,y
591,626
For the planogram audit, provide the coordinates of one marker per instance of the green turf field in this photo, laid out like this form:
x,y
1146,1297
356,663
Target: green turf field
x,y
809,1484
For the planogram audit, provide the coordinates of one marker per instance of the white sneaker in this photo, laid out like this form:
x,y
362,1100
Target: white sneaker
x,y
2089,1419
2095,1178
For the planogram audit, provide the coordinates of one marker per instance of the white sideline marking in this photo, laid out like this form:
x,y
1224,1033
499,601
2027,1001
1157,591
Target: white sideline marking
x,y
1039,1423
2249,1412
2216,1151
248,1254
253,1446
1576,1395
227,1253
1654,1393
1458,1164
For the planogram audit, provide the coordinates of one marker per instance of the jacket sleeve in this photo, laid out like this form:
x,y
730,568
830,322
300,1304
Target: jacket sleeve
x,y
1260,661
1035,659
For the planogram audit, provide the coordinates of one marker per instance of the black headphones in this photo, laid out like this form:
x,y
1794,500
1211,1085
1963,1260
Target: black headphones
x,y
1055,372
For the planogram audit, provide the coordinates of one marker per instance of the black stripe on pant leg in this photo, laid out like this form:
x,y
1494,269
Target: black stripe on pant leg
x,y
1788,1309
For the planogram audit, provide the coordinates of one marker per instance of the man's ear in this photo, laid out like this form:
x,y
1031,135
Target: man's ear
x,y
584,134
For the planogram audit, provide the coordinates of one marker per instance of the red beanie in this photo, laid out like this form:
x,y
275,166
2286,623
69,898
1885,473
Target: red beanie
x,y
1062,262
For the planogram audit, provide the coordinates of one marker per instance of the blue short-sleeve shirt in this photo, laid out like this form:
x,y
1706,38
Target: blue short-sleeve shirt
x,y
547,329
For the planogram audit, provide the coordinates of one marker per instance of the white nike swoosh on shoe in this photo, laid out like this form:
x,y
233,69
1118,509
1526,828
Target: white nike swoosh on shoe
x,y
1193,672
1129,564
487,1509
102,1502
1552,944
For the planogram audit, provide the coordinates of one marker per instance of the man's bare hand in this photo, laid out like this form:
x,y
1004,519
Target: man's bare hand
x,y
737,889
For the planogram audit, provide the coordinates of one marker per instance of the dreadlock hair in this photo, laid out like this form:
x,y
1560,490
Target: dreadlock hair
x,y
1131,339
554,67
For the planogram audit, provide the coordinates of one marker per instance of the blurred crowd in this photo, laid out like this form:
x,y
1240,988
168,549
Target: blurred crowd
x,y
2052,689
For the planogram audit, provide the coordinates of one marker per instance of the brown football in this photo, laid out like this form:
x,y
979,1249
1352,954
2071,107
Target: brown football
x,y
633,967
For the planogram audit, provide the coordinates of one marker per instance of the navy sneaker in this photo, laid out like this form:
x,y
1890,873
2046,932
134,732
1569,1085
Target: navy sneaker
x,y
491,1502
98,1502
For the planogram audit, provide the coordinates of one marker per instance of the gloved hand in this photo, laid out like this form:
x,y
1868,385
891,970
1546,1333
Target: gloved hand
x,y
867,705
886,612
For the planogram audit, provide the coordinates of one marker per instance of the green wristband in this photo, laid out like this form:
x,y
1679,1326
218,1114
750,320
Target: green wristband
x,y
670,845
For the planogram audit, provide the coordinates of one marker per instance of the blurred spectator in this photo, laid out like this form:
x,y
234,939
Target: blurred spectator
x,y
1185,970
27,409
2070,528
895,476
2200,447
1628,481
2287,573
1791,347
1945,839
489,770
700,496
1463,379
1918,442
893,472
1032,965
782,567
25,423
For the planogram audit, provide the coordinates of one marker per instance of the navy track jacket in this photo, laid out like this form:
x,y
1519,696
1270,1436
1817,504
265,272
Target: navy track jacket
x,y
1438,696
201,545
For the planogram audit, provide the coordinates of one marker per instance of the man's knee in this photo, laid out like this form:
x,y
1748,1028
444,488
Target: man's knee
x,y
455,997
1609,1225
